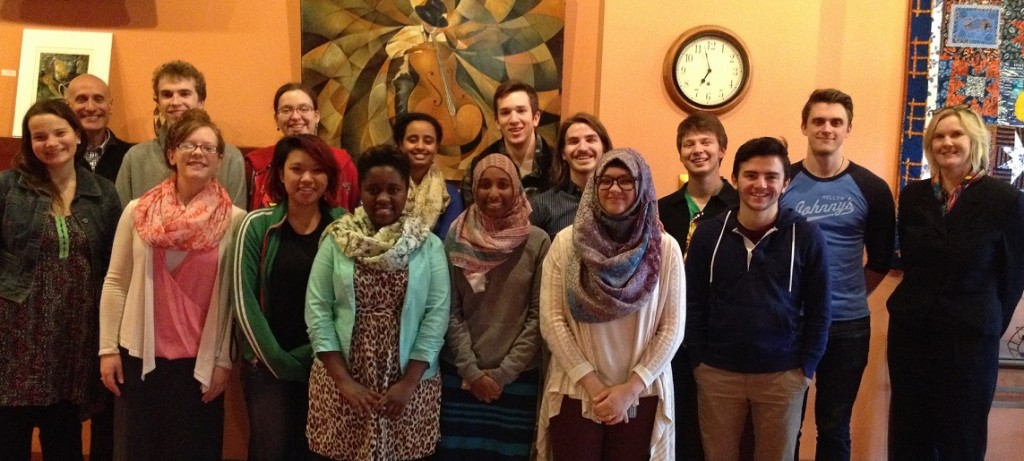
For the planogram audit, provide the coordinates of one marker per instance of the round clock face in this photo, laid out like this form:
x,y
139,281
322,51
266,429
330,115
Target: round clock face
x,y
709,71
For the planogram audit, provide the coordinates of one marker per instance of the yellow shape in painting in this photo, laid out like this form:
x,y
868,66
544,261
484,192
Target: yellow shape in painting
x,y
1018,107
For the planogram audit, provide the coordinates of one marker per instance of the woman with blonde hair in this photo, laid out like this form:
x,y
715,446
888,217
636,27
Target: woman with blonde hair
x,y
961,236
164,317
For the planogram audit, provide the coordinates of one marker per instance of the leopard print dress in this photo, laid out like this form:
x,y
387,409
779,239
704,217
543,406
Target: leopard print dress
x,y
333,429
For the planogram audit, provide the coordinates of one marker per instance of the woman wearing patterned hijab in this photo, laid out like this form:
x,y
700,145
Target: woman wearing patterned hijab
x,y
491,357
376,311
612,312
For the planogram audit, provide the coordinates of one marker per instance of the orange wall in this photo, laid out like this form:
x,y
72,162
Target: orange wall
x,y
244,49
795,46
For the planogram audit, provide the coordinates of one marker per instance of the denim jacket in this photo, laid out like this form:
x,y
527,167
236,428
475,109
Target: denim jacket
x,y
23,213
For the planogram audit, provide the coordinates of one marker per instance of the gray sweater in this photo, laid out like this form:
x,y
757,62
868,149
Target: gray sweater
x,y
144,167
497,332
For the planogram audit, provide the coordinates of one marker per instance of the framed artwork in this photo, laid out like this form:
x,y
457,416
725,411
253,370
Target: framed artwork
x,y
1012,352
50,59
369,62
963,52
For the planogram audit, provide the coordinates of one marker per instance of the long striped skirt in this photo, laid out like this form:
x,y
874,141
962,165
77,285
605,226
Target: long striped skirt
x,y
500,430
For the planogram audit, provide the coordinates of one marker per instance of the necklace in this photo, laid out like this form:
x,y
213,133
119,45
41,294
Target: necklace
x,y
840,168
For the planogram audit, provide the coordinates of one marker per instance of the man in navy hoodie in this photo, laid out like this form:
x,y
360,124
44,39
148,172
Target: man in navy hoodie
x,y
758,310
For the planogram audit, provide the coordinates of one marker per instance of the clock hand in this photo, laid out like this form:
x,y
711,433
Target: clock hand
x,y
708,60
705,77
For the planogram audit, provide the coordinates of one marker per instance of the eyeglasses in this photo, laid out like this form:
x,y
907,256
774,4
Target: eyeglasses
x,y
208,149
287,111
625,183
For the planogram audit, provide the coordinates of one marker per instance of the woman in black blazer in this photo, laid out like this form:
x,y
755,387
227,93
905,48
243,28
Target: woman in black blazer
x,y
962,243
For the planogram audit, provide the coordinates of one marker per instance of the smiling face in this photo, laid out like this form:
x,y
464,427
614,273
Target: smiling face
x,y
304,179
583,149
176,95
701,154
89,99
516,118
826,128
494,193
951,147
383,192
54,141
289,117
614,200
193,164
420,145
760,182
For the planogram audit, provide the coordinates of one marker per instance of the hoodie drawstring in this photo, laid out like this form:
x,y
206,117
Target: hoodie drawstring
x,y
792,259
711,269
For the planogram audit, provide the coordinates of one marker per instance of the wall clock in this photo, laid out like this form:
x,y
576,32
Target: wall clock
x,y
707,68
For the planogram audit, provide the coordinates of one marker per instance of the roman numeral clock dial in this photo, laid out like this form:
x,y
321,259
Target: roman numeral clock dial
x,y
707,69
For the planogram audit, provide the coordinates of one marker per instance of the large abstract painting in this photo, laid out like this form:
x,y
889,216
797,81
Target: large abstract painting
x,y
969,52
370,61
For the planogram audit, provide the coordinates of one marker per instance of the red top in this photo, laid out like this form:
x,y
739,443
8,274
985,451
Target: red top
x,y
257,165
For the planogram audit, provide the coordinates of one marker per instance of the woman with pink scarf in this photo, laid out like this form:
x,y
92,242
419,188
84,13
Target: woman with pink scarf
x,y
164,321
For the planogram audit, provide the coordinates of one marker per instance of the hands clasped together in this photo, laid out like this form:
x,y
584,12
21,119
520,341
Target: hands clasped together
x,y
365,401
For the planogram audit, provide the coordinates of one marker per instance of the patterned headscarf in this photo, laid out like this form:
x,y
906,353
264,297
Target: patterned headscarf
x,y
479,243
615,259
429,198
164,222
387,248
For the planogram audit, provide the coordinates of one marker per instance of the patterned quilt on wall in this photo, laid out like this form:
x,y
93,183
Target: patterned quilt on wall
x,y
966,52
969,52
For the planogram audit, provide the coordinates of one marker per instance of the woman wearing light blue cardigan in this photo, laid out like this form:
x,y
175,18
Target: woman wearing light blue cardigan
x,y
377,308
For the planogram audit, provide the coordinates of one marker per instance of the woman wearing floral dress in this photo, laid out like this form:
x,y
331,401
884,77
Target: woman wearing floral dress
x,y
56,228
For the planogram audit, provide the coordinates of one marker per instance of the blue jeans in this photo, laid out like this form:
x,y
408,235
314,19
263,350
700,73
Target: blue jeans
x,y
837,382
277,415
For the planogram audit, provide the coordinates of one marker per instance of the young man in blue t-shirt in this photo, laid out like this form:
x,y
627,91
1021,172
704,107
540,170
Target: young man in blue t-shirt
x,y
854,208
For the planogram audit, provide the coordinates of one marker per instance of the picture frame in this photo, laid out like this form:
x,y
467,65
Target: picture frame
x,y
50,59
1011,345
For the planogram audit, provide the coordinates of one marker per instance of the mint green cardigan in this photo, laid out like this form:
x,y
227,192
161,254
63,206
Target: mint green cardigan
x,y
331,304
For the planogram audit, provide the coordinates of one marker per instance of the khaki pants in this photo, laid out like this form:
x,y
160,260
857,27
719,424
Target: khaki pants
x,y
775,401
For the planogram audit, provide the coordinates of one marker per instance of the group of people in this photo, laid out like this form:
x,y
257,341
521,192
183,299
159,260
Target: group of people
x,y
778,273
539,311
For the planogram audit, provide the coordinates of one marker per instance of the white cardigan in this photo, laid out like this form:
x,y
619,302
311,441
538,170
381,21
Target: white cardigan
x,y
573,344
126,304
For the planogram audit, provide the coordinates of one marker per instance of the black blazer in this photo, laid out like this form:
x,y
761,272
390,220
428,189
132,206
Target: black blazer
x,y
965,270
